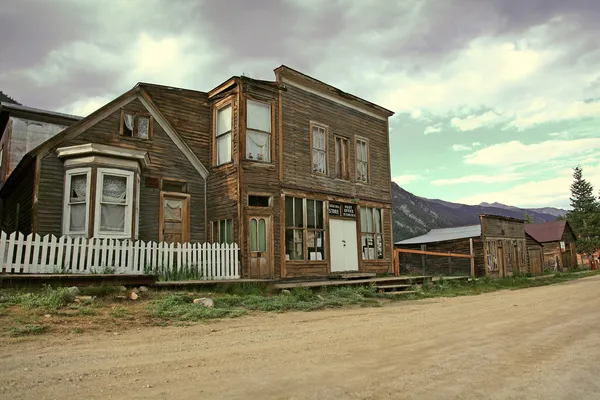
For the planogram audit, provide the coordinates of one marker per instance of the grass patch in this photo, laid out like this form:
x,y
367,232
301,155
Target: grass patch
x,y
26,330
182,308
87,310
119,312
46,300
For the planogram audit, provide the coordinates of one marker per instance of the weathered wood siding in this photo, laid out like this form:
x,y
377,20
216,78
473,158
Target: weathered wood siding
x,y
166,161
509,235
299,109
17,206
554,256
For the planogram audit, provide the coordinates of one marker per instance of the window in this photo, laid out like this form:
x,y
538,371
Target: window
x,y
259,201
362,160
223,134
371,233
76,202
341,158
174,186
222,231
258,234
258,131
304,219
114,203
319,148
134,125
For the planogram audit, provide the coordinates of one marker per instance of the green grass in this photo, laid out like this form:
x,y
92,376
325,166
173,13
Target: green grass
x,y
87,310
26,330
46,300
119,312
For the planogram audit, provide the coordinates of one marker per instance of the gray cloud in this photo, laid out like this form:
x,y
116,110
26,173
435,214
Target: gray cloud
x,y
336,39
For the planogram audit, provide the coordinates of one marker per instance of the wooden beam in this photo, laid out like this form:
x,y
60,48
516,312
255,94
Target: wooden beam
x,y
433,253
472,251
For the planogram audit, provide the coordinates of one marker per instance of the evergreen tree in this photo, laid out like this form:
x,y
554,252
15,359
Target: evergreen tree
x,y
528,219
584,217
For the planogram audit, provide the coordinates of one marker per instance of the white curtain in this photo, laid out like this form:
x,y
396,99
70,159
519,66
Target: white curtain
x,y
114,203
172,209
258,145
78,203
129,121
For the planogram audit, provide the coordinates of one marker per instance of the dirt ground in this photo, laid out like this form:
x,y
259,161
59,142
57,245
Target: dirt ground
x,y
538,343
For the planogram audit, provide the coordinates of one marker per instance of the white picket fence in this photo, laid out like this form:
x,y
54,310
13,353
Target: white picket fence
x,y
49,254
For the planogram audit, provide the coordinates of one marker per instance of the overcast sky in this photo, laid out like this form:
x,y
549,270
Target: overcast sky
x,y
495,100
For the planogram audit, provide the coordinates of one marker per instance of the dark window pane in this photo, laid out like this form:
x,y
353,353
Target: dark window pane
x,y
174,186
299,213
320,216
294,244
289,211
310,213
258,201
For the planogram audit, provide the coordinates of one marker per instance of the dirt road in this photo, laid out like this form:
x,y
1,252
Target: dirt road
x,y
539,343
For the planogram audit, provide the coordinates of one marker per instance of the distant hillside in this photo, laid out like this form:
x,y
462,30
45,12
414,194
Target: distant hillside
x,y
413,215
4,98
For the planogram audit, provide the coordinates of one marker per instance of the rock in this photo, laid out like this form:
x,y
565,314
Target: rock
x,y
73,290
122,288
285,291
47,315
133,296
205,301
135,290
143,289
320,297
79,299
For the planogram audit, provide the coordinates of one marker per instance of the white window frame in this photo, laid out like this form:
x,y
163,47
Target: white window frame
x,y
358,142
67,195
218,135
267,156
325,130
130,175
378,236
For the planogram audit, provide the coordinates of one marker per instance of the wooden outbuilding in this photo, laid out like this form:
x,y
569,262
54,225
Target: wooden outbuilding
x,y
559,242
499,245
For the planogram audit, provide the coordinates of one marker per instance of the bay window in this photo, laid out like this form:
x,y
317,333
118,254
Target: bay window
x,y
304,229
371,233
223,134
77,200
258,131
114,203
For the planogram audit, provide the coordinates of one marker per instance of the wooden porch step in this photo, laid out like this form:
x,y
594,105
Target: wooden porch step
x,y
402,292
352,275
384,287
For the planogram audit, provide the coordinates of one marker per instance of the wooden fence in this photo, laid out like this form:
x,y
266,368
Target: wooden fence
x,y
49,254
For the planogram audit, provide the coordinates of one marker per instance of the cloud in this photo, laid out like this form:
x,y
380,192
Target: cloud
x,y
517,153
460,147
548,192
507,177
433,129
406,179
474,121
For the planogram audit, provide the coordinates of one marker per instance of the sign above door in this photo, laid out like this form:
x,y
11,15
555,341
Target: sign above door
x,y
342,210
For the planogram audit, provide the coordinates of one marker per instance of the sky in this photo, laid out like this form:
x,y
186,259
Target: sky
x,y
495,101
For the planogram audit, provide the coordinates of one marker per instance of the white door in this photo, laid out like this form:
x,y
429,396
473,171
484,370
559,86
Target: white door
x,y
342,239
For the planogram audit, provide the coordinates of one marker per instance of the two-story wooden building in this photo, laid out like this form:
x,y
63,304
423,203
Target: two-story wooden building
x,y
294,170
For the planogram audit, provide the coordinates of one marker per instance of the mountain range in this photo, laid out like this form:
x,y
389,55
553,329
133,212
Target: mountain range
x,y
414,216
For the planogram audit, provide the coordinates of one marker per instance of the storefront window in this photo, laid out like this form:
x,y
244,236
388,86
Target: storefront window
x,y
305,227
371,233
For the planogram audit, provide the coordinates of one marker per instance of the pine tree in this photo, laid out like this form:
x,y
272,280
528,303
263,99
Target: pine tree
x,y
528,219
584,217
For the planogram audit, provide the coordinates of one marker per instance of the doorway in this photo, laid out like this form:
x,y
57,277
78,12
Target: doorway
x,y
260,247
343,245
174,217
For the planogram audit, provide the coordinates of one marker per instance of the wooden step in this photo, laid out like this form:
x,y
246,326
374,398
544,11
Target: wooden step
x,y
382,288
402,292
352,275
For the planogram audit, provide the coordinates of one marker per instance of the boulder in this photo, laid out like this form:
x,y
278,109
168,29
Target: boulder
x,y
143,289
73,290
205,301
133,296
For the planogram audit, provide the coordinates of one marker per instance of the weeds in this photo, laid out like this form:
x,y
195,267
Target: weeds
x,y
46,300
119,312
16,331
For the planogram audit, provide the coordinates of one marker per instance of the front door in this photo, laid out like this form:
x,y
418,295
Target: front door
x,y
174,217
535,261
343,244
260,247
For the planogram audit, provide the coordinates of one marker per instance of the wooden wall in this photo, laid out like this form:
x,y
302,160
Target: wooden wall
x,y
19,200
166,161
566,259
508,234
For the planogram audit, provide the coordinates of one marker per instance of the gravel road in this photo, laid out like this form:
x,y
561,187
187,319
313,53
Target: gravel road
x,y
538,343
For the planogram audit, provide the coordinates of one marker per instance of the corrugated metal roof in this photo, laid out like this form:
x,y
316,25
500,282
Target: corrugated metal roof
x,y
547,232
445,234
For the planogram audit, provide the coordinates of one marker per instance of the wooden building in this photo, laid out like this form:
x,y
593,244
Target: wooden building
x,y
559,243
499,244
295,171
24,128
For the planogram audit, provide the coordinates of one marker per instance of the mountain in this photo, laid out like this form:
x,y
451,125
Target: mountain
x,y
7,99
414,216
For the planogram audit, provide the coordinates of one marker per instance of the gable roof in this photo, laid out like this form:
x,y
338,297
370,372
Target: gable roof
x,y
528,236
445,234
85,123
549,231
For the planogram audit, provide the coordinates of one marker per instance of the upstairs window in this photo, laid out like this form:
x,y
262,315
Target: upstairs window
x,y
341,158
223,134
258,131
319,148
362,160
135,125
